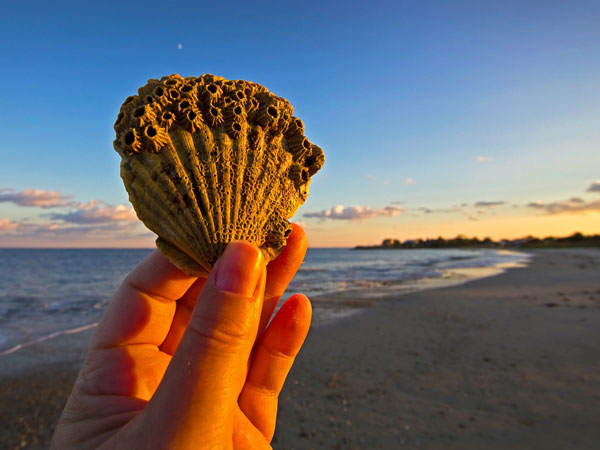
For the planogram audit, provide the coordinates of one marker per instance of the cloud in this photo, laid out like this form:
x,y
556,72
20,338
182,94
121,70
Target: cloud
x,y
574,205
453,209
36,197
96,212
29,229
340,212
95,220
484,159
408,181
485,204
7,225
64,230
469,211
481,205
594,186
93,212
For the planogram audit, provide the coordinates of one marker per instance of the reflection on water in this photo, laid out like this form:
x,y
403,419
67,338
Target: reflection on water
x,y
45,293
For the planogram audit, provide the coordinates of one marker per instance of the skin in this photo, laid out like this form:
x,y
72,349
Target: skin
x,y
189,363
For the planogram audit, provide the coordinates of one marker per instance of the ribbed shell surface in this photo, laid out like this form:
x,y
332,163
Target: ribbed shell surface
x,y
207,161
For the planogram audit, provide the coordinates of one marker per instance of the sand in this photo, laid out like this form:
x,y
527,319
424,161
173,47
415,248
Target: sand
x,y
509,361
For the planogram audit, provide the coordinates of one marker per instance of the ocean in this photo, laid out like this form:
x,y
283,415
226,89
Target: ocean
x,y
45,293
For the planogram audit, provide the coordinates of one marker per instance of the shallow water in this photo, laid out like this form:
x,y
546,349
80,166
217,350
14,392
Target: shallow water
x,y
48,292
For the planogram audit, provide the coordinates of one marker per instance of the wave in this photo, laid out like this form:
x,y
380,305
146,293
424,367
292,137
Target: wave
x,y
48,337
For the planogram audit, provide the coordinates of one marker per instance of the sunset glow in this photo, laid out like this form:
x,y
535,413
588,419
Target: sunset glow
x,y
458,118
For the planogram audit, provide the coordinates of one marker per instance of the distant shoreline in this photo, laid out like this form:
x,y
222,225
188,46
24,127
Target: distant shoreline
x,y
475,247
576,240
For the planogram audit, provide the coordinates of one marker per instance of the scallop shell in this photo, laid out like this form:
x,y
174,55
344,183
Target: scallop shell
x,y
207,161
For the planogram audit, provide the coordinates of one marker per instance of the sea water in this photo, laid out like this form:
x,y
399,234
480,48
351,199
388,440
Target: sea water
x,y
48,292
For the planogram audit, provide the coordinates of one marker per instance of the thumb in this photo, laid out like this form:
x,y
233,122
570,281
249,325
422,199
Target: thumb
x,y
208,370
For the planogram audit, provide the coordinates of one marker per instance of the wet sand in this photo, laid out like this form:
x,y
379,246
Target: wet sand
x,y
510,361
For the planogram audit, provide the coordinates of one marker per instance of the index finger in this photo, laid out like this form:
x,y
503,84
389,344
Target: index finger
x,y
142,310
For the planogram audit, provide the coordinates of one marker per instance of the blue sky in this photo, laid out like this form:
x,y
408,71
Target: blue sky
x,y
431,108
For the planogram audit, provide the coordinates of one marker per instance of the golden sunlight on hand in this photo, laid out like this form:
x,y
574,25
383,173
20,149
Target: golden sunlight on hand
x,y
179,362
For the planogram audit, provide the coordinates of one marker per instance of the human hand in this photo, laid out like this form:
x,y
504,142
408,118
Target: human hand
x,y
183,363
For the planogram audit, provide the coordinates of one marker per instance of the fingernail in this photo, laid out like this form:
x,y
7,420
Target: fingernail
x,y
239,268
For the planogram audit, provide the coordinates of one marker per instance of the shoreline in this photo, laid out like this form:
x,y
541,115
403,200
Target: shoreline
x,y
507,361
331,306
336,306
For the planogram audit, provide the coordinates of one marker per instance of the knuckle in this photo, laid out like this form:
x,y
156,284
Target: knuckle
x,y
226,338
278,354
262,390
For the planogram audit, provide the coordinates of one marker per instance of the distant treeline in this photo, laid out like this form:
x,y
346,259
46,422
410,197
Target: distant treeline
x,y
574,240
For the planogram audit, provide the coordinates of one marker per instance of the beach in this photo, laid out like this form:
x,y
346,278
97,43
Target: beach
x,y
507,361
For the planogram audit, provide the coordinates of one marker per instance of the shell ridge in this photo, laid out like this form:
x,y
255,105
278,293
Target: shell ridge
x,y
282,164
182,260
265,194
139,190
205,143
201,191
223,142
186,239
266,185
284,201
181,184
244,179
183,140
240,151
254,170
272,193
271,204
213,176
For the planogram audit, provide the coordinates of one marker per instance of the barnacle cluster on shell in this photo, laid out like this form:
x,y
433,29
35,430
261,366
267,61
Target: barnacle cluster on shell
x,y
207,160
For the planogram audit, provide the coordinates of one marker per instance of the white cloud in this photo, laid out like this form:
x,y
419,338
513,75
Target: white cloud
x,y
63,230
36,197
95,219
97,212
484,159
7,225
408,181
179,46
340,212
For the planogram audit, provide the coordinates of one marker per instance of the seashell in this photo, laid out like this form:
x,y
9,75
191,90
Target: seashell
x,y
207,161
